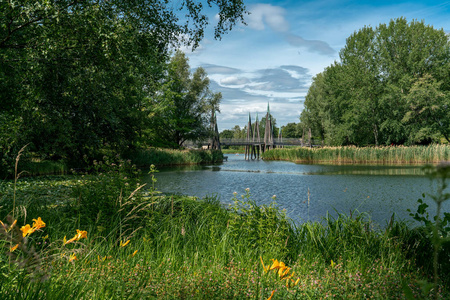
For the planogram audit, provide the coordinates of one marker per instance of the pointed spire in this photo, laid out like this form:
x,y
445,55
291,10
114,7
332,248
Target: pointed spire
x,y
268,108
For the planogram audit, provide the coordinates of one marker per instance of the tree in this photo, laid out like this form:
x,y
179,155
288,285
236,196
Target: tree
x,y
291,130
227,134
183,108
78,76
372,94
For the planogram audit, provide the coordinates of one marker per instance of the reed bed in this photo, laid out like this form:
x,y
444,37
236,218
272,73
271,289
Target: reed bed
x,y
363,155
168,157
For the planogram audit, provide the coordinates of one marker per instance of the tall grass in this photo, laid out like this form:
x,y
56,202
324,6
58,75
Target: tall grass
x,y
187,248
384,155
168,157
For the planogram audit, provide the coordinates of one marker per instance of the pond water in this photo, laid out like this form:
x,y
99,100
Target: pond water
x,y
307,192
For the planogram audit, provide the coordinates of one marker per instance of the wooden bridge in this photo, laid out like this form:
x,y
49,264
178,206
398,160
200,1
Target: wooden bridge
x,y
254,144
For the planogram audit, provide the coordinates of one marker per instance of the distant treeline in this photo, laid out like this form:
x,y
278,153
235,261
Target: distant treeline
x,y
391,86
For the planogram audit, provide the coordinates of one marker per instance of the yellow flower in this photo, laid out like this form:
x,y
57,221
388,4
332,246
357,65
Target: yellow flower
x,y
12,249
134,253
282,272
266,269
80,234
124,244
38,224
271,295
72,257
332,264
277,265
6,226
27,229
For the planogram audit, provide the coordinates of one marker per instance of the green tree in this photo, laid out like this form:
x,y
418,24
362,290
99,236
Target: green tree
x,y
372,94
291,130
79,76
227,134
183,107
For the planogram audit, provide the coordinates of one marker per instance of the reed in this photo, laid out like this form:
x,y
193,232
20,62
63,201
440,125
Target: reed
x,y
168,157
363,155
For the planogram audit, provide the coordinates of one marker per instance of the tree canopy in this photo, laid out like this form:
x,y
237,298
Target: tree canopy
x,y
183,108
391,86
79,76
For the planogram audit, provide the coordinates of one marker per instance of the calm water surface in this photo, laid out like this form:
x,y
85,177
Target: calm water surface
x,y
307,192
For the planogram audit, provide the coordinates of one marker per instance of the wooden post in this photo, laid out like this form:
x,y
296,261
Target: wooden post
x,y
310,144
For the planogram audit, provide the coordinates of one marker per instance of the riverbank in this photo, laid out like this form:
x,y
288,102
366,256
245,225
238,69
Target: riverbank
x,y
142,158
170,157
135,242
366,155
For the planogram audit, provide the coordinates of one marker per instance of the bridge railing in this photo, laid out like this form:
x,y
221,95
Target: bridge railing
x,y
240,142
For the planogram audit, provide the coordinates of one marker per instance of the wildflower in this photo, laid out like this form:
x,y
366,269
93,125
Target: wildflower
x,y
277,265
332,264
27,229
271,295
266,269
134,253
247,189
38,224
283,272
124,244
72,257
6,227
80,234
12,249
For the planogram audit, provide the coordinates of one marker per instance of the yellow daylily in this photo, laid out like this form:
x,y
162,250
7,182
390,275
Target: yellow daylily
x,y
271,295
332,264
27,229
38,223
6,226
283,272
266,269
72,257
80,234
134,253
277,265
12,249
124,244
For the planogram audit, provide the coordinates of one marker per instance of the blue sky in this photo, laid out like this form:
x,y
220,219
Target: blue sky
x,y
286,43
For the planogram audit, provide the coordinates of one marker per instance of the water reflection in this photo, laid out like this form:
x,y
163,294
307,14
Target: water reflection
x,y
307,192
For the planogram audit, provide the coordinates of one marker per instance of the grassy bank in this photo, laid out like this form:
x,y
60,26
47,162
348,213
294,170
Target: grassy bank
x,y
168,157
382,155
135,243
141,158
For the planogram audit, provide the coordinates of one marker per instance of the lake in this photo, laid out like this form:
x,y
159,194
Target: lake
x,y
306,191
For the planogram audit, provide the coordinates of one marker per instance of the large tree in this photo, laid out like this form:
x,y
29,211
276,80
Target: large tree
x,y
183,108
391,86
77,76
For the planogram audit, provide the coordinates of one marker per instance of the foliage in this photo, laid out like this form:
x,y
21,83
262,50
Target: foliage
x,y
167,157
77,77
183,109
391,86
351,154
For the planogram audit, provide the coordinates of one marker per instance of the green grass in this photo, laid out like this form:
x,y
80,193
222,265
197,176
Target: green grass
x,y
187,248
364,155
167,157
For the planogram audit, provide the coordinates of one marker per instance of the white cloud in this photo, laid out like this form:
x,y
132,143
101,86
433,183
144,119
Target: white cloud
x,y
233,80
266,14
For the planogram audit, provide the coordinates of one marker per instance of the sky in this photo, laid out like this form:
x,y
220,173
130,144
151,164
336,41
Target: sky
x,y
273,59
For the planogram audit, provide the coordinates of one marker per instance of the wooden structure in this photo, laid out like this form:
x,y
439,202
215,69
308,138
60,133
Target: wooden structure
x,y
214,141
